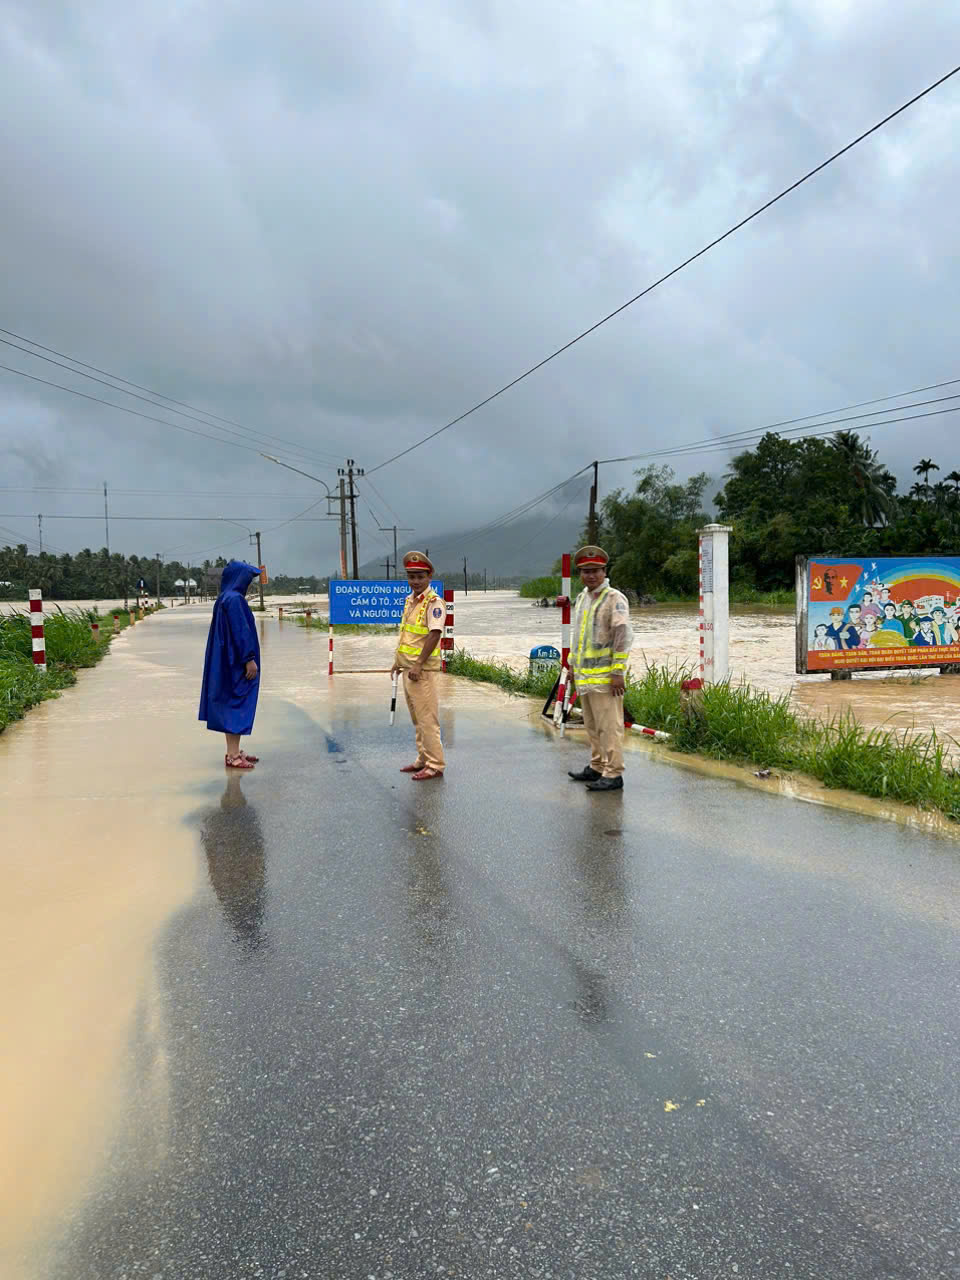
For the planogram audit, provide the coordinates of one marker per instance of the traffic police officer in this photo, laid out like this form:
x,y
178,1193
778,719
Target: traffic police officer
x,y
601,637
418,658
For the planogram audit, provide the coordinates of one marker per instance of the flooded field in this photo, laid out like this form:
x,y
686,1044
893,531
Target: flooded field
x,y
499,625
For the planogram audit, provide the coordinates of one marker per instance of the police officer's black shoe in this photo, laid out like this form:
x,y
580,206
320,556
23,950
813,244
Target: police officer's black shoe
x,y
586,775
606,784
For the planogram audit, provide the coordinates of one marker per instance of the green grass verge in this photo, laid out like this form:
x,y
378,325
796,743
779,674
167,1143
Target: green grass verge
x,y
346,628
537,588
748,726
70,645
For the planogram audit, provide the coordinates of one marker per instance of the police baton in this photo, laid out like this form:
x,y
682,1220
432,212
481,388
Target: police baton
x,y
393,699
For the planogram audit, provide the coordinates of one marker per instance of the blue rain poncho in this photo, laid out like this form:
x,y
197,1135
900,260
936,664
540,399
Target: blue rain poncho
x,y
228,700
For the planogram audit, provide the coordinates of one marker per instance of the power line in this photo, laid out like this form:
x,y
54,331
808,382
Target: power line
x,y
543,528
662,280
724,446
737,437
517,512
382,498
115,377
155,493
175,426
163,422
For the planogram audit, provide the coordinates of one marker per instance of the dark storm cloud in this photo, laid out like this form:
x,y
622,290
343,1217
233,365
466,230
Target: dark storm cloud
x,y
342,225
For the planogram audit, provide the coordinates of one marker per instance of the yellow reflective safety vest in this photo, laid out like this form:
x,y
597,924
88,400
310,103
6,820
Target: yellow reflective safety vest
x,y
414,631
593,667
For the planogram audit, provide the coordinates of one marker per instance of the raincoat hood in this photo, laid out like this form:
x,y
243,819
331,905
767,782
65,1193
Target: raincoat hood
x,y
237,576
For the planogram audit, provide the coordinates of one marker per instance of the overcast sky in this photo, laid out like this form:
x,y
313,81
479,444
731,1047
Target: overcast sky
x,y
343,224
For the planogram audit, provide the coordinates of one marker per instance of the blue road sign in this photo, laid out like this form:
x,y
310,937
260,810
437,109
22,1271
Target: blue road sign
x,y
377,600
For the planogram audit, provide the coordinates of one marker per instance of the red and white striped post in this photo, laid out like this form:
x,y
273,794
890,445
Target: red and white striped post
x,y
95,628
330,644
116,619
446,643
36,629
565,590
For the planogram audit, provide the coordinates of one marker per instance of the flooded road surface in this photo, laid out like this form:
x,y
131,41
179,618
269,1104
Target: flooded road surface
x,y
318,1021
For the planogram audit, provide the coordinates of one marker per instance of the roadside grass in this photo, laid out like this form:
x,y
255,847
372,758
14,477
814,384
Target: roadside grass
x,y
538,588
70,646
346,628
748,726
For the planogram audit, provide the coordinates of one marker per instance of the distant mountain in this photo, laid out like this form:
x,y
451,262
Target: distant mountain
x,y
523,549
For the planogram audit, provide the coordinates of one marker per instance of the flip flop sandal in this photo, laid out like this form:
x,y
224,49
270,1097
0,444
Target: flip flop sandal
x,y
412,768
426,774
238,762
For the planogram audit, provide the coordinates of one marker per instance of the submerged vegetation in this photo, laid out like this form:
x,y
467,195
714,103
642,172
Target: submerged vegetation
x,y
748,726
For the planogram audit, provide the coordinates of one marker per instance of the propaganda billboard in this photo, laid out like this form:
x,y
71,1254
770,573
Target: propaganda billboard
x,y
874,615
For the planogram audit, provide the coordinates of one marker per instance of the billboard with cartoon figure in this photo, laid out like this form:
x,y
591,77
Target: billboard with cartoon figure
x,y
869,615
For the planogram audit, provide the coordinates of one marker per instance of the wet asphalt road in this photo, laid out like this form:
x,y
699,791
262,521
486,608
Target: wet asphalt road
x,y
496,1027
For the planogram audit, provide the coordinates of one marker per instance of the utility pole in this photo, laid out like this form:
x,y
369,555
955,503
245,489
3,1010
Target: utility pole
x,y
106,517
158,577
260,567
351,471
386,565
464,575
343,527
40,527
484,580
592,532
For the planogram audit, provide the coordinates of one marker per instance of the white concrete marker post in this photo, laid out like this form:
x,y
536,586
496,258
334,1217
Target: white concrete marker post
x,y
715,603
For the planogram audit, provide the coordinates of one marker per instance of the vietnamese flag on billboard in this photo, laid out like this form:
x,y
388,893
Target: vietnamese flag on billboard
x,y
833,583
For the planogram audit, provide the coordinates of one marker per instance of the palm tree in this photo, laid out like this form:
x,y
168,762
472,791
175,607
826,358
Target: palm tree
x,y
923,468
954,478
874,501
918,492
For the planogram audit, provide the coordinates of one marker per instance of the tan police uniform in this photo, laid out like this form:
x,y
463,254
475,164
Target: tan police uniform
x,y
421,615
601,637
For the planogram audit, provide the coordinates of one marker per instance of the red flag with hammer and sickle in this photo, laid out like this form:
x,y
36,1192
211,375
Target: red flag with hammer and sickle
x,y
833,583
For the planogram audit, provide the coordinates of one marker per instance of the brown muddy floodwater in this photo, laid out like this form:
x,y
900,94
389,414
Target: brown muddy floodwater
x,y
499,625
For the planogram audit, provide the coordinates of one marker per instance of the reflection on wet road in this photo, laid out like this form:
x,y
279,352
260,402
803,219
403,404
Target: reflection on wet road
x,y
498,1026
232,842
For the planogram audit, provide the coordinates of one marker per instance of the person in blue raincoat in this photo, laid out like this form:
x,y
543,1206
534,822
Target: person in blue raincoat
x,y
231,667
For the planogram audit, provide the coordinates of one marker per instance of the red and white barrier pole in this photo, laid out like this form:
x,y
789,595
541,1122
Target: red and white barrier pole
x,y
657,734
36,630
446,644
330,644
95,628
565,590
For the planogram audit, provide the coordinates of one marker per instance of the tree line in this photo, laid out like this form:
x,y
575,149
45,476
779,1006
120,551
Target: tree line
x,y
815,496
100,575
